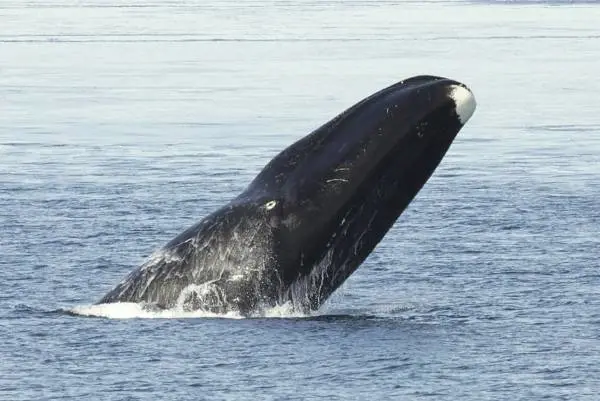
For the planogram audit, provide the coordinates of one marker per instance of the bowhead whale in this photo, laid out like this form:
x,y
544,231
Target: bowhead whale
x,y
314,213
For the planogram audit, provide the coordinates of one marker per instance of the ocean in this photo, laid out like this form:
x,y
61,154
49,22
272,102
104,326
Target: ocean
x,y
123,122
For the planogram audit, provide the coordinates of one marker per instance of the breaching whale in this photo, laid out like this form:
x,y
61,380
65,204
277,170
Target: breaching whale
x,y
314,213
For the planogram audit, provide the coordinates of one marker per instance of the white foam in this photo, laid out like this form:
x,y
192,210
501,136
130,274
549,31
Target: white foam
x,y
284,311
465,102
131,310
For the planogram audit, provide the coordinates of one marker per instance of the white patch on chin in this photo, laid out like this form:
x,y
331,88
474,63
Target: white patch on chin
x,y
464,101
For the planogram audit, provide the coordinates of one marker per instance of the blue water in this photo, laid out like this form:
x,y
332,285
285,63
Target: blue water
x,y
124,122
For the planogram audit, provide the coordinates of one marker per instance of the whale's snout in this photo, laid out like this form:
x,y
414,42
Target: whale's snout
x,y
465,102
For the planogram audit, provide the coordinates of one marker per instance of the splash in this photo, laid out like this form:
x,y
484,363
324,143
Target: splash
x,y
131,310
285,311
206,297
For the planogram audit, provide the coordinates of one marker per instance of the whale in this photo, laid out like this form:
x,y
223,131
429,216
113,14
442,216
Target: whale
x,y
314,213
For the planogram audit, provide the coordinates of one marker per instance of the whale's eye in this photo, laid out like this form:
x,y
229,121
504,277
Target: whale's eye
x,y
270,204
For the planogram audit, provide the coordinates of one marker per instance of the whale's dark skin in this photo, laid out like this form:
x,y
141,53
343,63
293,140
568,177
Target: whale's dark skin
x,y
313,214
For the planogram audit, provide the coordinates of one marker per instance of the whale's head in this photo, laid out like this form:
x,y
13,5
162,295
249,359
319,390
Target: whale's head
x,y
332,196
